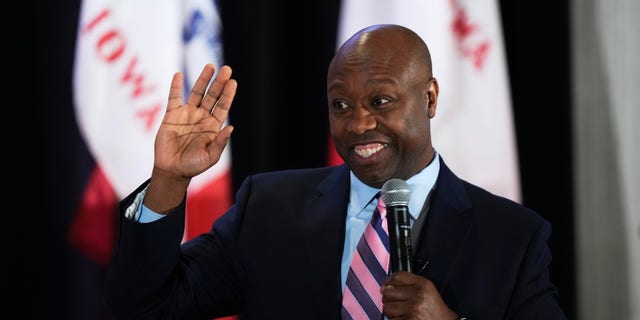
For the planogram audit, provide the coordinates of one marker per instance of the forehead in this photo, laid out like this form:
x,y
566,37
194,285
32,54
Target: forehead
x,y
385,67
363,75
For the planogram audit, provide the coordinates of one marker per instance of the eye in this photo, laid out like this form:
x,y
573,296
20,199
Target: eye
x,y
340,105
380,101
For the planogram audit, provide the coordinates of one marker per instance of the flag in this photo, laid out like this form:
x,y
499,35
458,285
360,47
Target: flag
x,y
126,55
473,128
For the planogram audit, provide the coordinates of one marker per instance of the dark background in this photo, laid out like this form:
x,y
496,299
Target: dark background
x,y
279,53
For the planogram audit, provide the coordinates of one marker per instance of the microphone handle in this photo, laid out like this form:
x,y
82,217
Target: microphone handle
x,y
399,227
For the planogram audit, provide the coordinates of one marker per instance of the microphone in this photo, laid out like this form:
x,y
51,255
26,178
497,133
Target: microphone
x,y
395,194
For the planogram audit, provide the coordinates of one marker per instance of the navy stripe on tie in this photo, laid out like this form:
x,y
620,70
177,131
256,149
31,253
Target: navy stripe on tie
x,y
377,226
345,314
372,263
362,296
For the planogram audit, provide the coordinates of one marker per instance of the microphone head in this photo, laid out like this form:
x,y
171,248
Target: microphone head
x,y
395,192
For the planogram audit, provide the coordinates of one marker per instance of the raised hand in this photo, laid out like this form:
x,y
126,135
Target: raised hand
x,y
191,137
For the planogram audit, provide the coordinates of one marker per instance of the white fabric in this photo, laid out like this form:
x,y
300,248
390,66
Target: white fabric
x,y
607,153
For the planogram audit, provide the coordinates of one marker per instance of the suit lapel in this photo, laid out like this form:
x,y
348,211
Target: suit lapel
x,y
324,228
446,228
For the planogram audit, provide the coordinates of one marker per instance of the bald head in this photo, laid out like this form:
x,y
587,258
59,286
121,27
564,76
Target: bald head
x,y
385,43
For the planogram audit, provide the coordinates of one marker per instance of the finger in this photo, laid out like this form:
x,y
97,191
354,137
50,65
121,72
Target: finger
x,y
392,293
213,94
396,304
223,105
401,278
175,92
200,86
221,140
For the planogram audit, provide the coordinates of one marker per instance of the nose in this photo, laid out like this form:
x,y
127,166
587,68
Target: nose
x,y
362,120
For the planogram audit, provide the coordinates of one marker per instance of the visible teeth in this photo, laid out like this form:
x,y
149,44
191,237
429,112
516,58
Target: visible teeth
x,y
368,152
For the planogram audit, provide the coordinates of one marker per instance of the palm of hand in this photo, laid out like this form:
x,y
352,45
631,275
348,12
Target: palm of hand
x,y
192,135
186,142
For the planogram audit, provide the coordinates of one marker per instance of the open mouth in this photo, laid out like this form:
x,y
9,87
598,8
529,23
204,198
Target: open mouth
x,y
366,151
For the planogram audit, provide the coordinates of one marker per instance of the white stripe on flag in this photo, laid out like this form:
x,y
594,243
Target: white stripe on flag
x,y
126,54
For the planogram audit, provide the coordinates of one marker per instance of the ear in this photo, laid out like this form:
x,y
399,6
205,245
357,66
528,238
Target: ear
x,y
433,89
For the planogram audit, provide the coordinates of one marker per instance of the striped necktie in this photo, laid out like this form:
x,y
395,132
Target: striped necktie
x,y
369,268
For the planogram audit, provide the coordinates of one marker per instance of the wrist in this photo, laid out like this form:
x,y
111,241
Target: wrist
x,y
165,193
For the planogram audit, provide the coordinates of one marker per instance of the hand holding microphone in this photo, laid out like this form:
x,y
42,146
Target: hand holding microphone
x,y
395,194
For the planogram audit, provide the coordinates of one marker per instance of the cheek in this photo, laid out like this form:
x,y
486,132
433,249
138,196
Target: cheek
x,y
336,126
333,123
337,136
414,128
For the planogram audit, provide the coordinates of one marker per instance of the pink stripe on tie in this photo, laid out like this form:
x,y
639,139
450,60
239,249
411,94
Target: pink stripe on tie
x,y
366,278
355,311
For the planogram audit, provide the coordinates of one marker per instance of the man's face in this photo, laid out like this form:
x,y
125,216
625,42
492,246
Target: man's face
x,y
379,114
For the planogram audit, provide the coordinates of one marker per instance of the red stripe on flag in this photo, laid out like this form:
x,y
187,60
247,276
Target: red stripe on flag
x,y
207,204
92,229
333,158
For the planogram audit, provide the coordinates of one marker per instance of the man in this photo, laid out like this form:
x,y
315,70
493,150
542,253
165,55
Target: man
x,y
284,249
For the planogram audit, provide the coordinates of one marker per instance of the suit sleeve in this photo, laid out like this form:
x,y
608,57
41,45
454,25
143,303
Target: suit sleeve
x,y
152,275
535,297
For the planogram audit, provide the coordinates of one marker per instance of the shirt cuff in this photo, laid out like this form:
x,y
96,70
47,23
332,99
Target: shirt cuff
x,y
138,212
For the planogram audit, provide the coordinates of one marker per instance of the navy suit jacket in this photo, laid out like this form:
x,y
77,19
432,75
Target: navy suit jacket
x,y
276,254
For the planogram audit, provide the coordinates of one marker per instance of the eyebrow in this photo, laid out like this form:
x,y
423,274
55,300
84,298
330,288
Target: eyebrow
x,y
369,82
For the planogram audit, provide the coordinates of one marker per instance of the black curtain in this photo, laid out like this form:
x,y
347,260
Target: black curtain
x,y
537,43
279,53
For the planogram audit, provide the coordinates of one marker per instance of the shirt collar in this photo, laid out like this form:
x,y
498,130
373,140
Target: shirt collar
x,y
420,184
